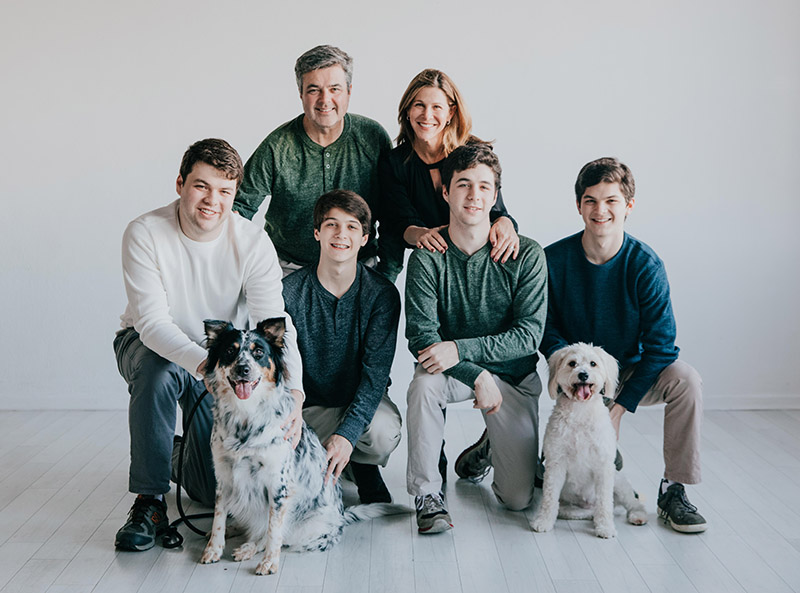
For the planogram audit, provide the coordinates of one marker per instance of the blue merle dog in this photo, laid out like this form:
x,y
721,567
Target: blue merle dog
x,y
276,493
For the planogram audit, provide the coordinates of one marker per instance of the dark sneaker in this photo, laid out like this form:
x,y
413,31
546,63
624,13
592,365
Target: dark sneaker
x,y
432,517
678,512
371,487
475,461
147,520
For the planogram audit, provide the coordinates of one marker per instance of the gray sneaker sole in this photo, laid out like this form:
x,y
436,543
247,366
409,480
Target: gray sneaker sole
x,y
439,525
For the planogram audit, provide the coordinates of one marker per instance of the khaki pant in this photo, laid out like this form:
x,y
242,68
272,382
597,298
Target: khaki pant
x,y
513,432
680,387
380,438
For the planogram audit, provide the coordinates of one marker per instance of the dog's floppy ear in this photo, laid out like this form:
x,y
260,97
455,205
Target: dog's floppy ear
x,y
214,329
612,373
273,330
553,364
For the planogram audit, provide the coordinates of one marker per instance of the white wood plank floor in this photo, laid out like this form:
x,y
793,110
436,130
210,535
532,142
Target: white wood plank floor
x,y
63,479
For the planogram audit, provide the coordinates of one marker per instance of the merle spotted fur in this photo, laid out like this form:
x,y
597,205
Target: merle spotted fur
x,y
275,492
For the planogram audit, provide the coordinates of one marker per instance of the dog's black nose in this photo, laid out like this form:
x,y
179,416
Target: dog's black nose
x,y
583,376
242,369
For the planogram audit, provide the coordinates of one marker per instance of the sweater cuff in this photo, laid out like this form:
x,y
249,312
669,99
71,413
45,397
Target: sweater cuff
x,y
466,372
350,429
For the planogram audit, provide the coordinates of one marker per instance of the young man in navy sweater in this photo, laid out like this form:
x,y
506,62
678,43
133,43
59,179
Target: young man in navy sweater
x,y
608,288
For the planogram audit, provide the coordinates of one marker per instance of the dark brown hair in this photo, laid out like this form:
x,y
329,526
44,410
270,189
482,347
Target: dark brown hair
x,y
346,200
468,156
217,153
608,170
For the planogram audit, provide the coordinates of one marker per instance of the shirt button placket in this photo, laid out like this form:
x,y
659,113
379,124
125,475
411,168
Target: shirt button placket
x,y
326,159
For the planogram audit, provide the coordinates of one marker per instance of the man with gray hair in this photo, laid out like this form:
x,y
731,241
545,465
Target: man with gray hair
x,y
323,149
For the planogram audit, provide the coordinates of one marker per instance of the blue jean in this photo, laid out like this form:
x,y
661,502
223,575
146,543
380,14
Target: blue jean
x,y
157,387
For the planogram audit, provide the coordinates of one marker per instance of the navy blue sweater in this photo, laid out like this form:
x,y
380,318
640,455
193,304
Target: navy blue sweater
x,y
622,305
347,344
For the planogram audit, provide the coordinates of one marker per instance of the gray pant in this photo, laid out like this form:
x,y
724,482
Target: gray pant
x,y
379,439
513,433
157,387
680,387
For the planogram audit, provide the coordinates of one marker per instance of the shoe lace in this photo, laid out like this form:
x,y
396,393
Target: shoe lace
x,y
684,501
430,503
140,510
678,499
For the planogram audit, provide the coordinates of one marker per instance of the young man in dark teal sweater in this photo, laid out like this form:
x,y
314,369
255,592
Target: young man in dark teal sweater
x,y
346,315
474,326
609,288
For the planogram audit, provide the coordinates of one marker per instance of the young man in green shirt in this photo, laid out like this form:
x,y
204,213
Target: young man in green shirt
x,y
323,149
474,326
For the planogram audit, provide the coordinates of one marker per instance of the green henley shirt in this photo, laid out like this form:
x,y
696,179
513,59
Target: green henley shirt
x,y
295,171
495,313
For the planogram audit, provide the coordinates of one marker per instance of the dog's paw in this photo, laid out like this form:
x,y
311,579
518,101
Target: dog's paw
x,y
267,566
605,531
244,552
540,525
211,555
637,517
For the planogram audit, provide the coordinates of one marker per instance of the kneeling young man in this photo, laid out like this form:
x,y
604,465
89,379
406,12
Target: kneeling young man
x,y
191,260
346,316
608,288
474,326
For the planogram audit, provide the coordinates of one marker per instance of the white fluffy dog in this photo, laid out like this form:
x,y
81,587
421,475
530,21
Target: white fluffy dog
x,y
580,445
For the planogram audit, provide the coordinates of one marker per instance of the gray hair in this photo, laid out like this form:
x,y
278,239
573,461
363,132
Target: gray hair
x,y
323,56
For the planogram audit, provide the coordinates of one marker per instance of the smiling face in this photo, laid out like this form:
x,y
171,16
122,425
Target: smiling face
x,y
581,372
326,97
240,361
429,114
206,198
471,195
340,236
604,210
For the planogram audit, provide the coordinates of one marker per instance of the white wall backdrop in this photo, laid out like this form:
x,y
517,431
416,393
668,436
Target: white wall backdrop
x,y
100,99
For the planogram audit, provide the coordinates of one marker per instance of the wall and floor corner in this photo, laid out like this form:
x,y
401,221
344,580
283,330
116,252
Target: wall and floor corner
x,y
101,99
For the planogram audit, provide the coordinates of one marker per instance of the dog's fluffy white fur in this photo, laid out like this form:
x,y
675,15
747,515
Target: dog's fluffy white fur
x,y
580,481
276,493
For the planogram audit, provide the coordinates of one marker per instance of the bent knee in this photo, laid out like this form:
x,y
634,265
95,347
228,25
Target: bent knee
x,y
425,387
688,382
514,500
157,378
382,440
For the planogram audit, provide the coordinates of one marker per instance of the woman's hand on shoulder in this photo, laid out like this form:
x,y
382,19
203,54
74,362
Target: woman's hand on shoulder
x,y
425,238
504,240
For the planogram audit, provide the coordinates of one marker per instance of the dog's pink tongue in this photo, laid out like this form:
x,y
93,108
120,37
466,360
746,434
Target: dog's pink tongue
x,y
244,389
584,391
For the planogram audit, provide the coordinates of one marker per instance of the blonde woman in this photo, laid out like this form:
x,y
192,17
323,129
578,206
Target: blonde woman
x,y
434,120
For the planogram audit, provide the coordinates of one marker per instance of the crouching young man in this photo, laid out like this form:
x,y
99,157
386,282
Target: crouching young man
x,y
346,316
609,288
474,326
190,260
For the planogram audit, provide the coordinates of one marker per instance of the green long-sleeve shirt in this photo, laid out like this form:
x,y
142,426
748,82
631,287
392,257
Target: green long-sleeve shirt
x,y
495,313
295,171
